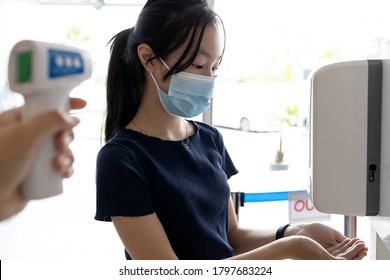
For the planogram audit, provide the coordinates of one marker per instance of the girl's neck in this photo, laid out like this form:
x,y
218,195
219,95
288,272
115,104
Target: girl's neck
x,y
155,121
152,119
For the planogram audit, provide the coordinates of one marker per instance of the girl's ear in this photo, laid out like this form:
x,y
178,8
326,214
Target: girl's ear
x,y
145,52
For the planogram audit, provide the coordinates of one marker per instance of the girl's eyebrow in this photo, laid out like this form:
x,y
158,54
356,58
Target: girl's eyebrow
x,y
208,55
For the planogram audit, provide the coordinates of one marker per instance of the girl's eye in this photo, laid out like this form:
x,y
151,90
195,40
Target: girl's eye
x,y
197,66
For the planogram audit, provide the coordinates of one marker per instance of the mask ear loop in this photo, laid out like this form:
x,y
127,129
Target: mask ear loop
x,y
151,75
166,66
163,62
155,82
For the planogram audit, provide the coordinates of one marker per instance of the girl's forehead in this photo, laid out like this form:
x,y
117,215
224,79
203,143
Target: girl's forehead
x,y
211,46
213,42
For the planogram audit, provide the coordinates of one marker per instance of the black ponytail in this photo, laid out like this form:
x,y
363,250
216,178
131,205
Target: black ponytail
x,y
124,83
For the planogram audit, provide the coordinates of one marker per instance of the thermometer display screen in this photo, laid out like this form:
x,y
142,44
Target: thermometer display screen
x,y
24,65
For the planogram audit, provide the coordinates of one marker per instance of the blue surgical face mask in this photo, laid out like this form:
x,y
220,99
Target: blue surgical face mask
x,y
188,95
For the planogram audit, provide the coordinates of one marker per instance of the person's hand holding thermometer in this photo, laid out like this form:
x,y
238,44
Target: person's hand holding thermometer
x,y
45,74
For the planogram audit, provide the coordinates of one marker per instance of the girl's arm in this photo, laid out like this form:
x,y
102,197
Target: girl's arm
x,y
309,244
144,237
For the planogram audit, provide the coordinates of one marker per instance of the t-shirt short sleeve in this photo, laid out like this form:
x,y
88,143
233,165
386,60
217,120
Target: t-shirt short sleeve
x,y
121,184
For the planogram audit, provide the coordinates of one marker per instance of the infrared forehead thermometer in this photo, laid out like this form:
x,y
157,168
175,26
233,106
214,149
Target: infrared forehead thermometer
x,y
45,74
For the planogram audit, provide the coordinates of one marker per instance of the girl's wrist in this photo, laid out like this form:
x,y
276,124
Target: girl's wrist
x,y
280,232
292,230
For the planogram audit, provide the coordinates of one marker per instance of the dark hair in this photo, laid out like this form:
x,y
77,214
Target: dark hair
x,y
164,25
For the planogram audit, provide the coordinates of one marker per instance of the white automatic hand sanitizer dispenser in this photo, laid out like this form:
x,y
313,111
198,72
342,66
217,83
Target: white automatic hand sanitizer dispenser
x,y
45,74
349,138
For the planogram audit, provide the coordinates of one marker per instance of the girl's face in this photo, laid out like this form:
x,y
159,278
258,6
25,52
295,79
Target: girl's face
x,y
210,53
208,58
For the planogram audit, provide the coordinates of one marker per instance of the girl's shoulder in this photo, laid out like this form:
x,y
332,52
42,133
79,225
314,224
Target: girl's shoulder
x,y
203,127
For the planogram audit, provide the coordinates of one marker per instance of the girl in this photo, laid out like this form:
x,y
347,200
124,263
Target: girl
x,y
163,179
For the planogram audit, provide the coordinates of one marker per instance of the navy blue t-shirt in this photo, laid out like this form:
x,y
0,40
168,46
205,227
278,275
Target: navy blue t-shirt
x,y
187,187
